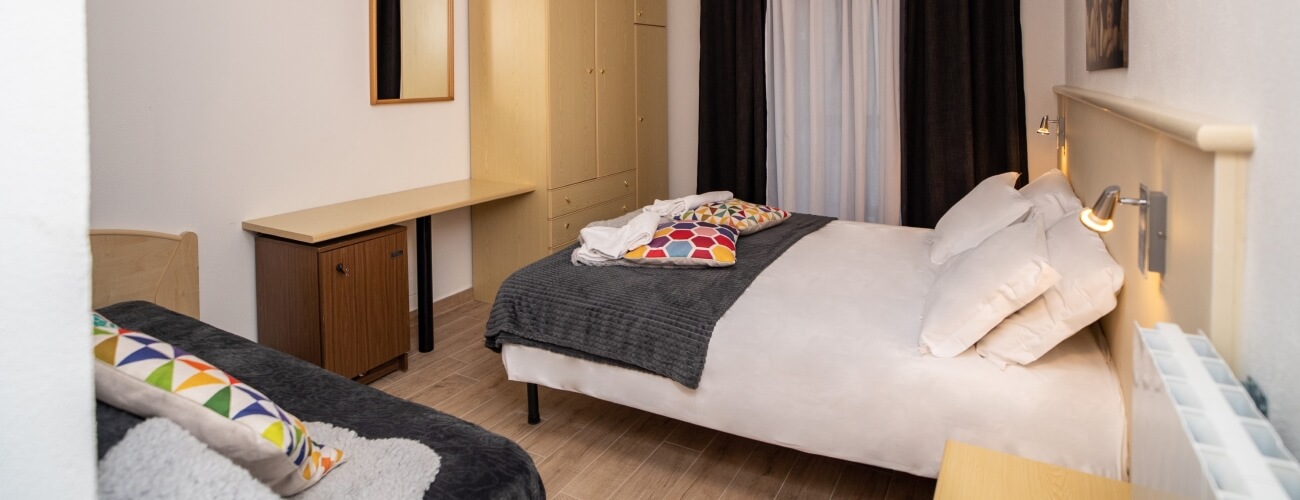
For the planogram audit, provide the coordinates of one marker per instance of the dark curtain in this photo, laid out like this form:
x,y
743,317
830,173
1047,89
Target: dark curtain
x,y
963,101
733,99
388,49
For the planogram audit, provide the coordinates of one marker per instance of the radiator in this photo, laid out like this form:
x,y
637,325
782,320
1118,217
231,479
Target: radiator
x,y
1196,433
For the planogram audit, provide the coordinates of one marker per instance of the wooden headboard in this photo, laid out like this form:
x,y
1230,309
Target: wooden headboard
x,y
1200,164
142,265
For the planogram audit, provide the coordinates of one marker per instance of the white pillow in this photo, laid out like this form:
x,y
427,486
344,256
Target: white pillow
x,y
1086,292
993,205
1052,196
981,287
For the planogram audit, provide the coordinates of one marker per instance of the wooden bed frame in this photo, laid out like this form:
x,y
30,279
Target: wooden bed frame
x,y
143,265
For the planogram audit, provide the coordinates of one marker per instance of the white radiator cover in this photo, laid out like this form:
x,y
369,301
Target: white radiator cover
x,y
1196,433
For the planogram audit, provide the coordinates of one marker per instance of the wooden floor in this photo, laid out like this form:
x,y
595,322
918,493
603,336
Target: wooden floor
x,y
587,449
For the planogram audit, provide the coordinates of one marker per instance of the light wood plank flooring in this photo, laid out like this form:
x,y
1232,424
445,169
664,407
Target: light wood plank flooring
x,y
588,449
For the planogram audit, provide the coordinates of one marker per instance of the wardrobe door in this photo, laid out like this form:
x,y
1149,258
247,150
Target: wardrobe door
x,y
654,12
652,113
616,97
573,91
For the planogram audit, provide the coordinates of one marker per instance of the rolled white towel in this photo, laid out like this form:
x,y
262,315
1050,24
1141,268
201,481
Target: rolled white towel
x,y
610,243
677,206
667,208
694,201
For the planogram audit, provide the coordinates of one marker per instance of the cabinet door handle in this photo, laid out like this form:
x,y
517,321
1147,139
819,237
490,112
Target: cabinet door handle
x,y
625,184
641,119
602,71
624,208
589,70
344,270
566,199
640,13
566,225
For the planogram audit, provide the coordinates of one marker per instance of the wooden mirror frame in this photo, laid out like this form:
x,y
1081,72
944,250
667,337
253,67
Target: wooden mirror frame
x,y
451,59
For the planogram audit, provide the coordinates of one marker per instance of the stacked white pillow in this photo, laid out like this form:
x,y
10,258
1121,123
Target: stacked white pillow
x,y
993,205
980,287
1090,277
1051,196
1016,289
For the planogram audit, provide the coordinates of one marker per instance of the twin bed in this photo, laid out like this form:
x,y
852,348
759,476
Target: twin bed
x,y
142,279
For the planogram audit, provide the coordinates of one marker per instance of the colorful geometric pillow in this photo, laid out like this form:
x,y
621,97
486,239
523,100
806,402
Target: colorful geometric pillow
x,y
743,216
688,243
151,378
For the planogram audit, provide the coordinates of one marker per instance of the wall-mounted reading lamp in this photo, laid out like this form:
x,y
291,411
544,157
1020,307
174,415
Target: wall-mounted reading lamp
x,y
1152,226
1045,123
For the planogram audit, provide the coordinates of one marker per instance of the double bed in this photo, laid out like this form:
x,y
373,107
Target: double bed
x,y
820,352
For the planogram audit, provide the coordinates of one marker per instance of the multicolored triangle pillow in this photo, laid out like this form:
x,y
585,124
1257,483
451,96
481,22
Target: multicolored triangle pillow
x,y
151,378
687,243
743,216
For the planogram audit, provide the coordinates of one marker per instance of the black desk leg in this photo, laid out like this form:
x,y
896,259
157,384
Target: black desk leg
x,y
424,282
534,413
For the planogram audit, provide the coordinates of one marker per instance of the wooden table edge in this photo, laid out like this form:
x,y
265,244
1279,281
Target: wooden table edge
x,y
259,225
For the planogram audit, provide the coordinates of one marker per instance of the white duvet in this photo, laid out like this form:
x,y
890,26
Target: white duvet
x,y
820,354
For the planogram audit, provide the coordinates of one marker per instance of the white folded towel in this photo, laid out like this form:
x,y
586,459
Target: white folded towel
x,y
601,244
677,206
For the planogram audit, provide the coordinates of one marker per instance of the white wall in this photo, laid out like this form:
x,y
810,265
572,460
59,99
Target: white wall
x,y
47,425
683,95
1042,33
205,114
1235,61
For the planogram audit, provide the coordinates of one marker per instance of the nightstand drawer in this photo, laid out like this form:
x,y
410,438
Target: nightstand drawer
x,y
569,199
564,230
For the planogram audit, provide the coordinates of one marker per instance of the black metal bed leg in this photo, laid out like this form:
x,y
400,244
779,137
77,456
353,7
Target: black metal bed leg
x,y
534,414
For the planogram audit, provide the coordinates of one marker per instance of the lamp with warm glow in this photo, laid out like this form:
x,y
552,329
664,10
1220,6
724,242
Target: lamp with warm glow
x,y
1151,228
1099,217
1044,125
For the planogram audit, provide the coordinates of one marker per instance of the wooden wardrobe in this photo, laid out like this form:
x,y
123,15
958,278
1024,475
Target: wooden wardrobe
x,y
572,96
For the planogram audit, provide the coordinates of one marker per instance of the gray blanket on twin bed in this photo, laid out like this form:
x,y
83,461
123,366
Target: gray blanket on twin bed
x,y
650,319
474,463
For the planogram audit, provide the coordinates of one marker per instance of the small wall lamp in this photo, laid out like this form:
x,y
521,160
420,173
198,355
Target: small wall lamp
x,y
1045,123
1152,224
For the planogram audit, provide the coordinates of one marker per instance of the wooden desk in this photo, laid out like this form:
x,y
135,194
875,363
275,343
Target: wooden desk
x,y
314,225
971,472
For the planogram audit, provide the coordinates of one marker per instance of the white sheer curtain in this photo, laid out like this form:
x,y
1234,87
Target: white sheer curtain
x,y
833,127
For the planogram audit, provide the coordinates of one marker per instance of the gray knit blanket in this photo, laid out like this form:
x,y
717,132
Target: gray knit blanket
x,y
650,319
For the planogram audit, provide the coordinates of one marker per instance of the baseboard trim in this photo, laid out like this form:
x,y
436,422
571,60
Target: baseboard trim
x,y
453,301
450,302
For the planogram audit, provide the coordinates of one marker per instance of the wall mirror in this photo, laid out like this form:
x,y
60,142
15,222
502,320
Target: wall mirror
x,y
411,51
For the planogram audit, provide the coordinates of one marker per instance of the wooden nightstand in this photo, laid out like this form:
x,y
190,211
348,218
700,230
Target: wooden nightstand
x,y
973,472
341,304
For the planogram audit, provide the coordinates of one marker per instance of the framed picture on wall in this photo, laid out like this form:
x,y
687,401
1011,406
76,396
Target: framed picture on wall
x,y
1107,43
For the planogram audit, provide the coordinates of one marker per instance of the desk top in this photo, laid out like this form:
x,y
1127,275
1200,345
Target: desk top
x,y
972,472
314,225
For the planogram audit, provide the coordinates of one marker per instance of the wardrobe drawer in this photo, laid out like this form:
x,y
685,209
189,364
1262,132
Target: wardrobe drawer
x,y
576,197
564,230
